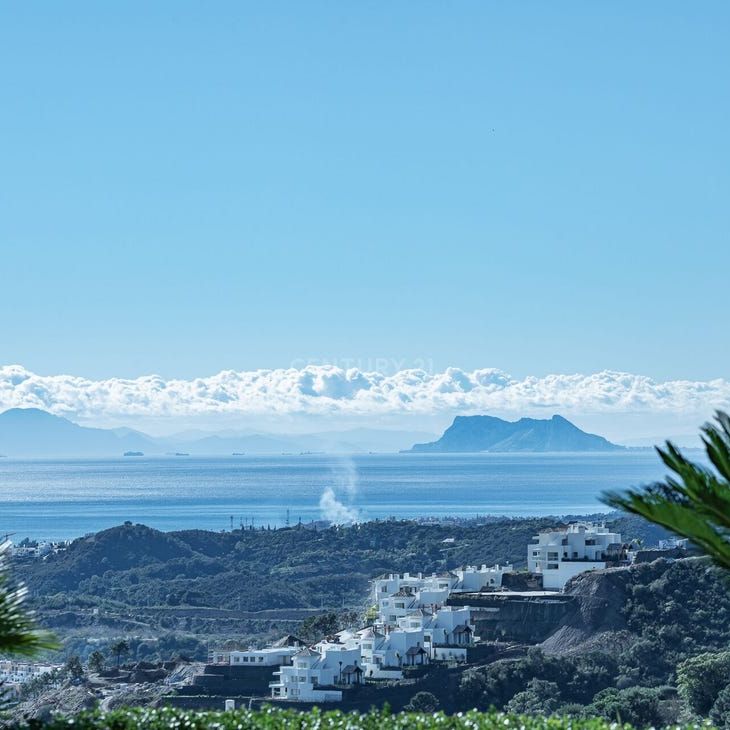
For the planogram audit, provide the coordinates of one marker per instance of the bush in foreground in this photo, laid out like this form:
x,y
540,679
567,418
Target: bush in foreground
x,y
278,719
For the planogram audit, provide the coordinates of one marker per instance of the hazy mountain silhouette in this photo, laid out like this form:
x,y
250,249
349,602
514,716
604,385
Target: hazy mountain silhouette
x,y
488,433
30,432
36,433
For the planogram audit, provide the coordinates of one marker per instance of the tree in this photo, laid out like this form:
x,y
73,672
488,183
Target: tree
x,y
96,661
74,667
539,698
423,702
18,632
720,712
118,648
696,503
701,678
638,706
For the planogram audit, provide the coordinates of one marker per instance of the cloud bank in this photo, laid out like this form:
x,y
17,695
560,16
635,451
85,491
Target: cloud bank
x,y
331,391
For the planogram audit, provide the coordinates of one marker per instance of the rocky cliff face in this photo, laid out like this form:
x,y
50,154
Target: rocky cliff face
x,y
516,618
594,611
601,600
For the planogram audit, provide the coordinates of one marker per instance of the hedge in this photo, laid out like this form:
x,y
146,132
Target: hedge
x,y
278,719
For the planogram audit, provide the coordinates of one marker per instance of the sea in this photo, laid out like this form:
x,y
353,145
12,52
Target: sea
x,y
63,499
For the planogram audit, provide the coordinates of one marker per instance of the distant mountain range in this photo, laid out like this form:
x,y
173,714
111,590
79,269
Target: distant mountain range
x,y
30,432
488,433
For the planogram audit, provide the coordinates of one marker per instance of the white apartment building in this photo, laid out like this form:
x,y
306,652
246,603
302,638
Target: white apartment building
x,y
268,657
398,595
560,554
472,579
413,628
15,673
447,633
318,673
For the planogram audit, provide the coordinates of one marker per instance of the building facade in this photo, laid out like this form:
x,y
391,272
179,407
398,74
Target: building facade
x,y
560,554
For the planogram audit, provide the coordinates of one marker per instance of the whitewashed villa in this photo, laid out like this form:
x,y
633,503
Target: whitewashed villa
x,y
560,554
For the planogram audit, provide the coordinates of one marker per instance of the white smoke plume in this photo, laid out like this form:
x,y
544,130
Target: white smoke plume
x,y
335,511
331,506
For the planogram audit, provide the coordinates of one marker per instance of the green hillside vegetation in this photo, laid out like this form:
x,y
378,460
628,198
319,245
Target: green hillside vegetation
x,y
167,593
262,569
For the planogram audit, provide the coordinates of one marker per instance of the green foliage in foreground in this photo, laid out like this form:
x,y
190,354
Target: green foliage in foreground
x,y
277,719
696,502
18,632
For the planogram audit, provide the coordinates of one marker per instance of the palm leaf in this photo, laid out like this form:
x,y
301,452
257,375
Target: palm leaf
x,y
18,632
693,501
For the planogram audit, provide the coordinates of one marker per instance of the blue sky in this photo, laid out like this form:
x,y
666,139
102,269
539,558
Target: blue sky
x,y
539,187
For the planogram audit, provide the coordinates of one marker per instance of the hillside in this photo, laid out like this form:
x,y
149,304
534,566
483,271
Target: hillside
x,y
619,642
178,590
488,433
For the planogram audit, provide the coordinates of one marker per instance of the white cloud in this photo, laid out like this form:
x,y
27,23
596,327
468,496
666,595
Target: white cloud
x,y
332,391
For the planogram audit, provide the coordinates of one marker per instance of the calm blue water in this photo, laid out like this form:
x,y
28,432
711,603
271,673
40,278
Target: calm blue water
x,y
68,498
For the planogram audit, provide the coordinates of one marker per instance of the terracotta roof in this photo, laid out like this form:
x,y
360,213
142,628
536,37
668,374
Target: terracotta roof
x,y
351,669
462,629
415,650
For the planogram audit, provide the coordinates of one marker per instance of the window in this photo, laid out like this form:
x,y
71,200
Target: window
x,y
552,566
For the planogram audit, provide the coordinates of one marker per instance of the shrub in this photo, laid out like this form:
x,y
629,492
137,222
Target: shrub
x,y
701,678
637,706
720,712
278,719
423,702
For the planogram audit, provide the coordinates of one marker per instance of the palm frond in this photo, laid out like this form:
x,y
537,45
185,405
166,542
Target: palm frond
x,y
694,502
18,632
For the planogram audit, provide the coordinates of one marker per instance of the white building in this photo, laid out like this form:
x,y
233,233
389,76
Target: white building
x,y
447,633
14,674
473,579
398,595
318,673
560,554
268,657
413,628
